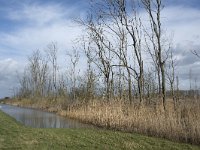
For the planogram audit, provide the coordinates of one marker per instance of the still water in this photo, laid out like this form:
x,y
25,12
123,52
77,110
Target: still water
x,y
40,119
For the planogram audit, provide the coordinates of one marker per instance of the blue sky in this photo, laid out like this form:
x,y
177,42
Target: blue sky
x,y
27,25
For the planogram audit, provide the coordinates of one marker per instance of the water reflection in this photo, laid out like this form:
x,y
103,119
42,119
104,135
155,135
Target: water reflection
x,y
40,119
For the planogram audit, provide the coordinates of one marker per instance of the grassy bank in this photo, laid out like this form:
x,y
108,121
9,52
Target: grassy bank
x,y
15,136
181,124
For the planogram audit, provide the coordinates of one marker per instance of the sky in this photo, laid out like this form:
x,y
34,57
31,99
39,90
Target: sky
x,y
27,25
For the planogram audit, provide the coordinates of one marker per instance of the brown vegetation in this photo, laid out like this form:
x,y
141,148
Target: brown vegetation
x,y
182,124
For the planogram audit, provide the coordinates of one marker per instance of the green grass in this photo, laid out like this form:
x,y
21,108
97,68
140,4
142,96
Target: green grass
x,y
13,136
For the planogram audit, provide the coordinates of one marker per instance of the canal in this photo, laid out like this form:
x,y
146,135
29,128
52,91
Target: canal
x,y
40,119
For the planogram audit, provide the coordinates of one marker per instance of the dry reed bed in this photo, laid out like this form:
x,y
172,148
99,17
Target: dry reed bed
x,y
182,124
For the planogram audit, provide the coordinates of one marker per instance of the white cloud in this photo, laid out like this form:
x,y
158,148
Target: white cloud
x,y
40,15
184,23
38,37
41,24
9,68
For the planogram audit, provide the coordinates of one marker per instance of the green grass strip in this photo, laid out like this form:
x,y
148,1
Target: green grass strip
x,y
14,135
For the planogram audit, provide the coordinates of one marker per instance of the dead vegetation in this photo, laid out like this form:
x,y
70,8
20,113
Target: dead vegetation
x,y
182,124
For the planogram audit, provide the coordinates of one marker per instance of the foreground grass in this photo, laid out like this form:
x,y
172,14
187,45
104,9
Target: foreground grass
x,y
13,135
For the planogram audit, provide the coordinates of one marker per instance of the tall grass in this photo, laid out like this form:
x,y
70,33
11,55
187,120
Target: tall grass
x,y
180,124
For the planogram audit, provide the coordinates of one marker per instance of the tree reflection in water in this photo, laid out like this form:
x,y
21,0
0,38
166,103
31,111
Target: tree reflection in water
x,y
40,119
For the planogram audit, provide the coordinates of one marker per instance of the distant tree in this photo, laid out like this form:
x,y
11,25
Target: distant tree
x,y
35,77
90,74
170,75
74,59
51,53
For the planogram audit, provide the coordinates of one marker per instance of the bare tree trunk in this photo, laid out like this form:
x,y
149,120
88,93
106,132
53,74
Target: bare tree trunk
x,y
153,8
170,73
177,89
141,81
52,56
163,85
159,82
74,58
129,86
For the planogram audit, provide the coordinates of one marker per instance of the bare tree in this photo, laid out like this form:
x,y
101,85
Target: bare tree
x,y
154,56
25,89
150,84
113,26
177,89
90,75
190,78
197,54
74,58
62,88
153,8
51,52
170,74
103,62
100,46
37,72
133,26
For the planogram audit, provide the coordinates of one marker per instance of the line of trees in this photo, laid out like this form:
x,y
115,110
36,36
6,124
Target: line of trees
x,y
129,57
120,39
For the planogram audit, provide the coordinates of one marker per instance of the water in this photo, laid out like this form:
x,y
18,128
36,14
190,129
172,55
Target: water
x,y
40,119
